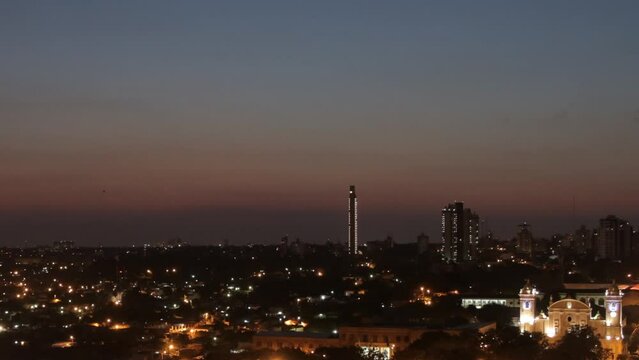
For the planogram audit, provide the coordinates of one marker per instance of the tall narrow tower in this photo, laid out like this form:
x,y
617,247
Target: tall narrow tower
x,y
525,239
614,320
352,221
527,302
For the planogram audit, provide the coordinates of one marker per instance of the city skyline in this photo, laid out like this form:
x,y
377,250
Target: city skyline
x,y
125,123
145,228
322,180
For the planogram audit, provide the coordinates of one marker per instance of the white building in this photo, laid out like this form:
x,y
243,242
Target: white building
x,y
480,301
565,314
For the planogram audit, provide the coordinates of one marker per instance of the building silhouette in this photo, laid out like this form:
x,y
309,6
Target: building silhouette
x,y
352,221
583,240
614,238
460,233
422,243
525,239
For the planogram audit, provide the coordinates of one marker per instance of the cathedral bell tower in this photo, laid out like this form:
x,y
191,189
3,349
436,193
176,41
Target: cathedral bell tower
x,y
614,320
527,302
613,313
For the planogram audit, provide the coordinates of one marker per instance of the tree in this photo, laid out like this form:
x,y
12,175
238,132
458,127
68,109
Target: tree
x,y
442,346
509,344
347,353
500,314
633,342
580,343
628,357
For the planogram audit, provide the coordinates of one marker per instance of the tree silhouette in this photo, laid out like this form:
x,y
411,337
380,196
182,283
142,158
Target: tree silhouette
x,y
580,343
443,346
509,344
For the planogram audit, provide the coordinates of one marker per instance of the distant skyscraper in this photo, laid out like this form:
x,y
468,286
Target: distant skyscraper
x,y
614,238
352,221
460,233
63,245
422,243
283,248
583,239
524,239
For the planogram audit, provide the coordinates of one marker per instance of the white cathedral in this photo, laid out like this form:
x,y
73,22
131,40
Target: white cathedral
x,y
565,314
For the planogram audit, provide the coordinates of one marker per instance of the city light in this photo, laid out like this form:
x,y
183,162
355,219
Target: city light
x,y
253,180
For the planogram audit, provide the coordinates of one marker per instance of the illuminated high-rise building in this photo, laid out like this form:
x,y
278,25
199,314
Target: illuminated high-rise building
x,y
460,233
352,221
524,239
583,240
614,240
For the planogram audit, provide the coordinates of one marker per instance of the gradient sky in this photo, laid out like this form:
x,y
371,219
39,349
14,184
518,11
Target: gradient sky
x,y
247,120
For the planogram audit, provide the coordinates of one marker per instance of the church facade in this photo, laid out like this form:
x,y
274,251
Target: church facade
x,y
565,314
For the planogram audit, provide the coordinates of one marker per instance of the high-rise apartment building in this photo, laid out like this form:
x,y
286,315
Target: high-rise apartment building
x,y
422,243
460,233
582,240
524,239
352,221
614,238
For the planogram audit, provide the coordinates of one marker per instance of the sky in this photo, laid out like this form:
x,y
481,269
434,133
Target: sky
x,y
130,122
